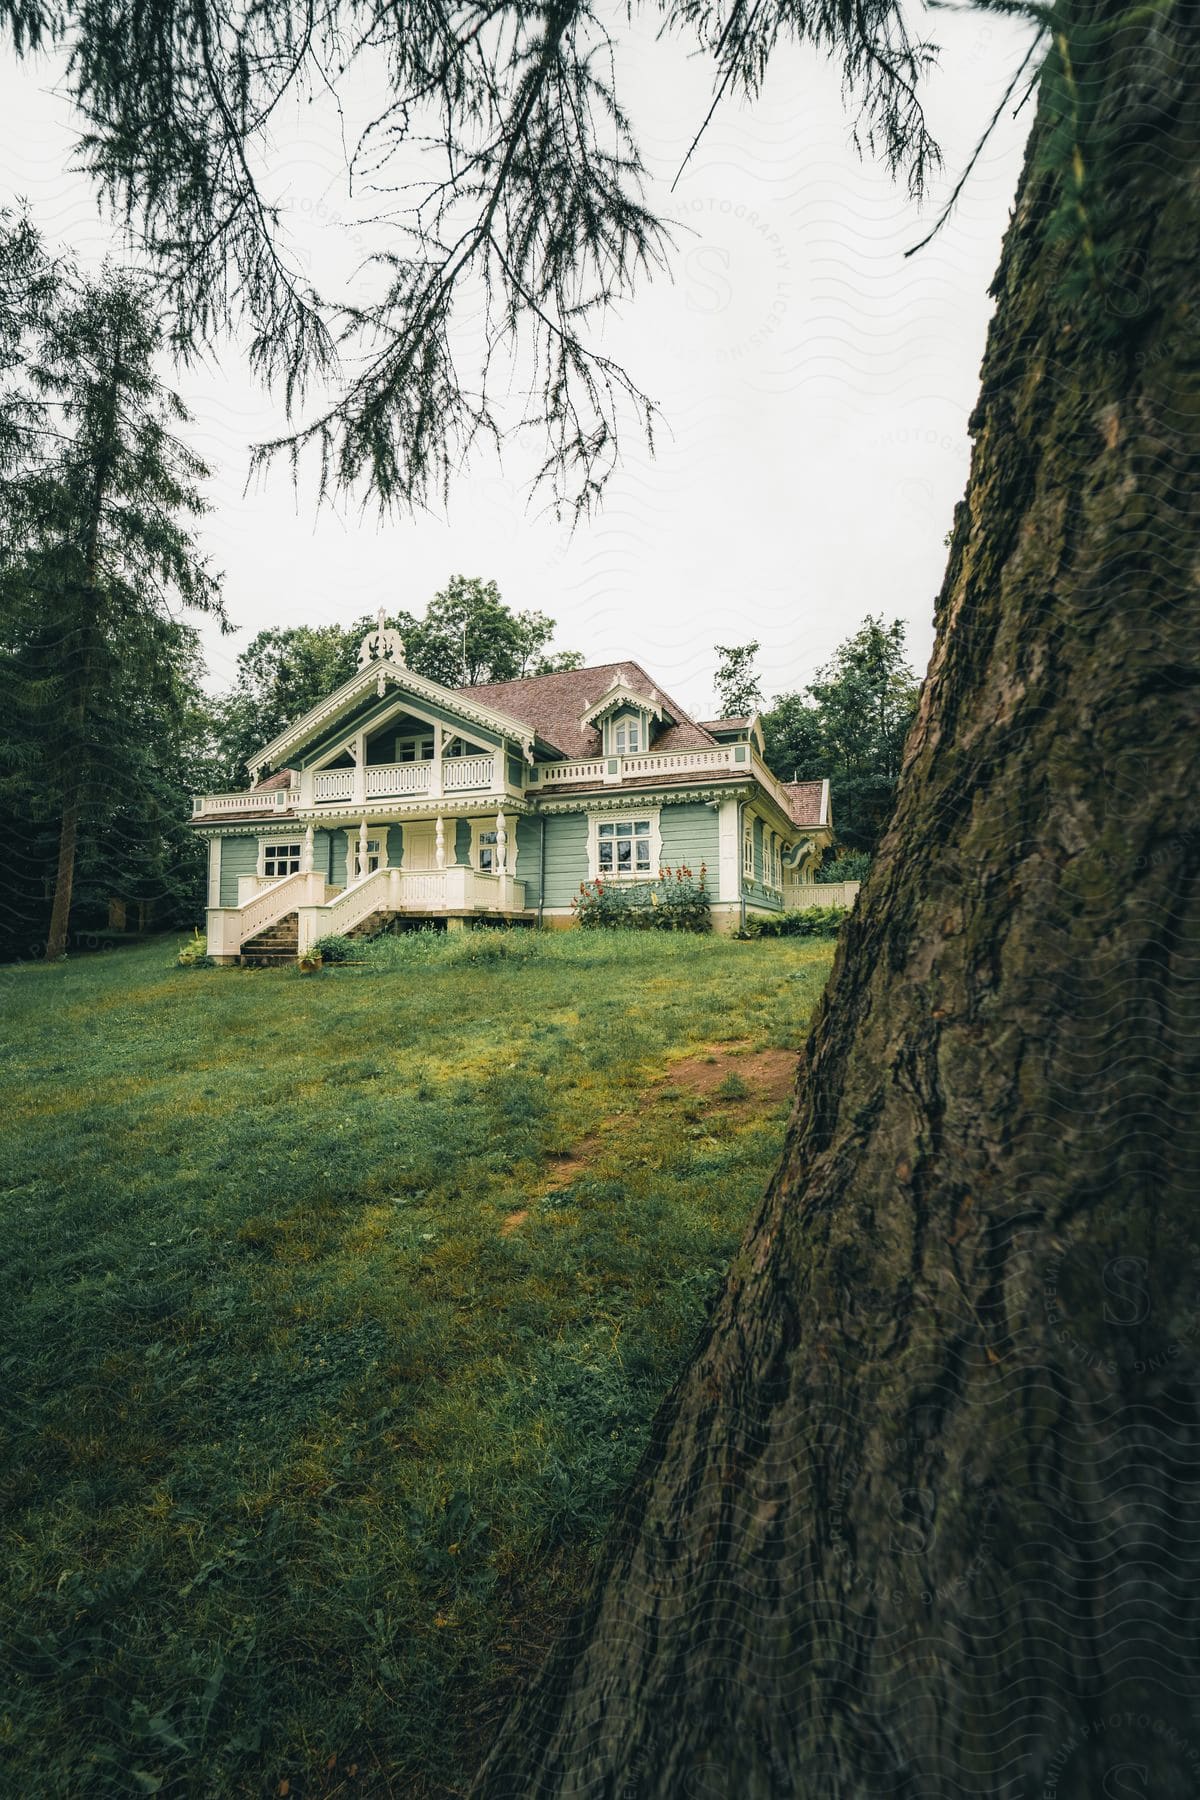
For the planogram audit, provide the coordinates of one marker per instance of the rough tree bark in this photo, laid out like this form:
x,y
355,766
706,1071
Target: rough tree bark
x,y
923,1515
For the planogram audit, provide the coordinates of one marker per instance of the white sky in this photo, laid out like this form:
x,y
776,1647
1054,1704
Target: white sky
x,y
815,385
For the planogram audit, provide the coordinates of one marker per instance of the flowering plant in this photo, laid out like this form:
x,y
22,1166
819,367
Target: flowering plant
x,y
677,900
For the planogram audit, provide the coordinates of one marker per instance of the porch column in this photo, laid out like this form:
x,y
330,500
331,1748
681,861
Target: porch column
x,y
439,841
501,844
307,861
214,871
436,790
362,848
358,751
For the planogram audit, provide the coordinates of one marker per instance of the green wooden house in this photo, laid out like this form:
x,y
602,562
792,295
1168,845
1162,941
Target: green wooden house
x,y
397,797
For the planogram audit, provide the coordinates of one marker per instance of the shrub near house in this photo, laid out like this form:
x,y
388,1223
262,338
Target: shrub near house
x,y
677,901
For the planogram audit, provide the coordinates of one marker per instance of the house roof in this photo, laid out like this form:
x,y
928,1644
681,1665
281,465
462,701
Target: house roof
x,y
376,675
553,705
807,801
724,724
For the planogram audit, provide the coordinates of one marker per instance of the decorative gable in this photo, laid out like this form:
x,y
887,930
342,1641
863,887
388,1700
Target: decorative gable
x,y
622,697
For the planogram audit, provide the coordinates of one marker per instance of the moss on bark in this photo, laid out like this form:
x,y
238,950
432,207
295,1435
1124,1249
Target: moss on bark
x,y
923,1517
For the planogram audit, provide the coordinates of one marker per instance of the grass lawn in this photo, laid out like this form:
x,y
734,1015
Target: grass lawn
x,y
335,1312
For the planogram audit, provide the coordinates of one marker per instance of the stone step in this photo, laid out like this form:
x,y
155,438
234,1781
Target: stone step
x,y
276,943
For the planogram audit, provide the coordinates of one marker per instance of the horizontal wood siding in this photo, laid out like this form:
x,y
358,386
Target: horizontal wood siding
x,y
566,857
691,835
239,856
395,845
462,841
528,860
322,850
758,895
337,861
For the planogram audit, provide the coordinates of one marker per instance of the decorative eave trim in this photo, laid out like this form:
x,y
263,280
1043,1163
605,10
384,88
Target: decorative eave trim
x,y
396,811
265,827
629,800
621,694
375,675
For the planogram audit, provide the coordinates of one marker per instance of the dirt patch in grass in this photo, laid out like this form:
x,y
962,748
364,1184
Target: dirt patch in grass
x,y
565,1165
768,1075
513,1220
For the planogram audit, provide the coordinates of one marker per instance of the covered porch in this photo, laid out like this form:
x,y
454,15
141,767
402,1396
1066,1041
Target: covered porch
x,y
428,879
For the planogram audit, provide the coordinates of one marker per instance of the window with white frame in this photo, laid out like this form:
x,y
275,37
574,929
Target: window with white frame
x,y
627,737
748,850
624,847
376,852
485,852
414,749
281,859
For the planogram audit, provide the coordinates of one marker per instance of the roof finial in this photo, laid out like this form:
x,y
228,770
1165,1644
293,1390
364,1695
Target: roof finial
x,y
381,645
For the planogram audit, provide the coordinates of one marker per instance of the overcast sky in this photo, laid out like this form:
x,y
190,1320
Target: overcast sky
x,y
815,385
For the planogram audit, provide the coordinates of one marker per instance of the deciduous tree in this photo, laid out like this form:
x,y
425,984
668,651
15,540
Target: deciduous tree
x,y
849,726
739,691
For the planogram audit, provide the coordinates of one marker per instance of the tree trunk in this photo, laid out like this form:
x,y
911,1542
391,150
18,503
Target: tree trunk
x,y
57,936
922,1518
74,762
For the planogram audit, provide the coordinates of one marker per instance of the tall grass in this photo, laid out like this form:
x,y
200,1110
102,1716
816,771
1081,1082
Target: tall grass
x,y
310,1436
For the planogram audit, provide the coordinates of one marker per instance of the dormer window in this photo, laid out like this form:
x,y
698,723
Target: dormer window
x,y
622,718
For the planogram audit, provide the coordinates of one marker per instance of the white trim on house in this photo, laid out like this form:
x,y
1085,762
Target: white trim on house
x,y
290,842
376,834
624,816
377,675
727,850
481,828
620,694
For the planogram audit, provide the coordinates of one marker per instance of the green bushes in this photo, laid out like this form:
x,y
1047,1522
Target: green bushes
x,y
847,865
194,954
677,901
337,948
810,921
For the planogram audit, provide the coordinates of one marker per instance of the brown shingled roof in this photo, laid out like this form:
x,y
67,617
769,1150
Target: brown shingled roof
x,y
552,705
804,801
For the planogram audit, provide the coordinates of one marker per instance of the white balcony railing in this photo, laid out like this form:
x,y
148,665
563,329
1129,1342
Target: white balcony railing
x,y
459,772
740,759
333,784
274,800
384,780
614,769
560,772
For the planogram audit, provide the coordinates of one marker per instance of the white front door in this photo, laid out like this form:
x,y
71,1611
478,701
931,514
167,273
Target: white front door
x,y
419,847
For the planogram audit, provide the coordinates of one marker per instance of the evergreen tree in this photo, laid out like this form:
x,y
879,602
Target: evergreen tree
x,y
92,550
